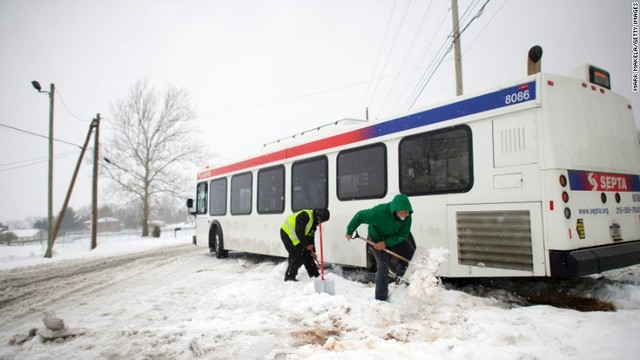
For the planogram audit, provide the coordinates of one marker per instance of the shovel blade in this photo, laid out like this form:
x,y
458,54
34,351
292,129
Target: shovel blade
x,y
324,286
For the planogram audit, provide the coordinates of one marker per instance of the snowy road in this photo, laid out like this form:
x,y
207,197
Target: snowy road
x,y
180,302
75,282
112,296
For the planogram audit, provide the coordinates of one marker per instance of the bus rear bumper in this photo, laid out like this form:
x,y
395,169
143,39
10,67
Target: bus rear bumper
x,y
574,263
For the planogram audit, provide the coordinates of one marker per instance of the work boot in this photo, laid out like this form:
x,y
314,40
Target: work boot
x,y
401,282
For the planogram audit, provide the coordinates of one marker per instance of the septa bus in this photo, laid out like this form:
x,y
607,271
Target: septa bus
x,y
536,178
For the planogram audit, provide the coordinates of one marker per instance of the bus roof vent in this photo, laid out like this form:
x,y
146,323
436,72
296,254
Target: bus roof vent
x,y
592,74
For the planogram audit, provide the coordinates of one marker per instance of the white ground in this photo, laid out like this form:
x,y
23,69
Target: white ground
x,y
167,299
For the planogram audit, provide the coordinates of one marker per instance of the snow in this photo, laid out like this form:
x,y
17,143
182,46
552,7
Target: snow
x,y
168,299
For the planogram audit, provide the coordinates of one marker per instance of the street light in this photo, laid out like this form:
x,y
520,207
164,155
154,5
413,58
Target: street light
x,y
36,85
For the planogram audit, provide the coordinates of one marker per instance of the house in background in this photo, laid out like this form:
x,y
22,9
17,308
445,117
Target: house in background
x,y
25,236
105,224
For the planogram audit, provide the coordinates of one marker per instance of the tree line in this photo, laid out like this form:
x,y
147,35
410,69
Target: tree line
x,y
128,215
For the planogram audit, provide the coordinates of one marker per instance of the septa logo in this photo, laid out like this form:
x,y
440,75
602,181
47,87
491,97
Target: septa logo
x,y
596,181
592,181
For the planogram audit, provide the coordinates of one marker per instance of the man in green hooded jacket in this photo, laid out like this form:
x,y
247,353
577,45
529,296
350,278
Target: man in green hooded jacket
x,y
389,227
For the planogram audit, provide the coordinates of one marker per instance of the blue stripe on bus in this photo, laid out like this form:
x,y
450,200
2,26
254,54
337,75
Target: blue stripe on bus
x,y
506,97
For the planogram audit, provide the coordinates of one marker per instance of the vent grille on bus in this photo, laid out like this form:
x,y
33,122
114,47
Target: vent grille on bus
x,y
498,239
513,140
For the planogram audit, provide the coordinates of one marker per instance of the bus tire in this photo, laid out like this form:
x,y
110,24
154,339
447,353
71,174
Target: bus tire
x,y
216,243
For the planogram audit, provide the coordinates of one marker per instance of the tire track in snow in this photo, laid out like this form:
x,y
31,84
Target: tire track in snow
x,y
25,291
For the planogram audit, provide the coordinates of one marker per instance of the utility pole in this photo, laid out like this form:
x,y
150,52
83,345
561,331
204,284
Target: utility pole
x,y
56,228
52,89
94,202
51,92
457,55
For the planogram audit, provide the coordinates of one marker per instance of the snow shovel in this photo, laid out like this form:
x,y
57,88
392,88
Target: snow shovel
x,y
420,252
321,285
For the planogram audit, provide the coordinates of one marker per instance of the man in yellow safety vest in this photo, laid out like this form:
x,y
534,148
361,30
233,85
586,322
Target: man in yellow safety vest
x,y
297,233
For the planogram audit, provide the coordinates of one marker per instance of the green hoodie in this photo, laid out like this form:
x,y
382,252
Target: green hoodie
x,y
383,224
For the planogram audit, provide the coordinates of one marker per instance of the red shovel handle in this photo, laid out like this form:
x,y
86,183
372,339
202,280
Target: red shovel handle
x,y
321,253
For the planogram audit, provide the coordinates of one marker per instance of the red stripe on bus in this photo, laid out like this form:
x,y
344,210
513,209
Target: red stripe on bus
x,y
314,146
328,143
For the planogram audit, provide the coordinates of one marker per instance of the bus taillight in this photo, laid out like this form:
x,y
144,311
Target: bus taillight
x,y
563,180
565,195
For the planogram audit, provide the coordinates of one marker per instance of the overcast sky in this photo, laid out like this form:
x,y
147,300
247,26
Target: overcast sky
x,y
262,70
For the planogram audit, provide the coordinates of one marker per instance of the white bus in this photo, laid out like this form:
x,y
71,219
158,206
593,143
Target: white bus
x,y
539,177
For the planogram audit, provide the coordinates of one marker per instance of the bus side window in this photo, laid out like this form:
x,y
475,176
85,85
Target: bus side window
x,y
271,190
362,173
309,185
436,162
201,198
218,197
241,194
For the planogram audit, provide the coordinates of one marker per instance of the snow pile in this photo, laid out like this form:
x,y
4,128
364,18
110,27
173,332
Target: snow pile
x,y
422,278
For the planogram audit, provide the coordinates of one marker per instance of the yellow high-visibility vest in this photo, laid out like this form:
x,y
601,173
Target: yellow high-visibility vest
x,y
289,226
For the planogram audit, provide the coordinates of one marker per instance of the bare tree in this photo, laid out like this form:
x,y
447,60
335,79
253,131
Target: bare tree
x,y
153,139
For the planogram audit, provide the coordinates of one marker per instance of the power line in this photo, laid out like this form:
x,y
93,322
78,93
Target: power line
x,y
424,55
406,57
293,97
485,27
375,68
435,68
425,78
466,13
478,14
38,135
393,45
31,162
69,110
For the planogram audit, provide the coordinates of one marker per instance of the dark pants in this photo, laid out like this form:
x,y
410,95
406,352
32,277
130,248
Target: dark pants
x,y
298,256
404,249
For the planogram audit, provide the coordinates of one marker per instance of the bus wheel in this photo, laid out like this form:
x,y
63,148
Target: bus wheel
x,y
216,243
